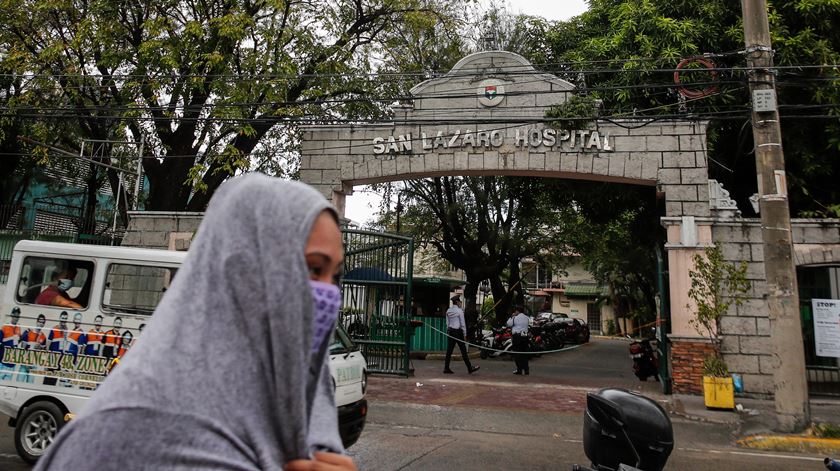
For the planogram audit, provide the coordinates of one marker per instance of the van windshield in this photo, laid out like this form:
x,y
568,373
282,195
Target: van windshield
x,y
341,342
135,289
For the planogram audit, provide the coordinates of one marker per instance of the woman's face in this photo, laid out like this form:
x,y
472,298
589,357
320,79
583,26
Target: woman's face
x,y
324,252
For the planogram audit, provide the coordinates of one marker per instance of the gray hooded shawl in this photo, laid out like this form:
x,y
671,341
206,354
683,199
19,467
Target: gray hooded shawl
x,y
222,377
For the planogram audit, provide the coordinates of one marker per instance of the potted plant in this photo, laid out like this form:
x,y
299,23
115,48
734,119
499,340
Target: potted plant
x,y
715,286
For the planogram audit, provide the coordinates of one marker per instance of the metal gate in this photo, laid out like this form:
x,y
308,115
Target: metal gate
x,y
377,297
822,282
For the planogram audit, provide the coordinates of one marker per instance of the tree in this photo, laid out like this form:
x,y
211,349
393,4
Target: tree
x,y
628,47
212,87
715,286
482,225
613,228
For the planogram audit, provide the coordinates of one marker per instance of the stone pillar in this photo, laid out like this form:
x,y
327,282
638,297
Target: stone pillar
x,y
686,238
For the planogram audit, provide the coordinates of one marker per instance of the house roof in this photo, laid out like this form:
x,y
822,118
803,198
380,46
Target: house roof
x,y
582,290
438,281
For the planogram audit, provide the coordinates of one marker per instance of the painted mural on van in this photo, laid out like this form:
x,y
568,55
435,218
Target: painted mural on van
x,y
64,354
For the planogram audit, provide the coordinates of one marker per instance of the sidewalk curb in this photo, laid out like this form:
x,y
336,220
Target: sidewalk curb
x,y
795,443
442,356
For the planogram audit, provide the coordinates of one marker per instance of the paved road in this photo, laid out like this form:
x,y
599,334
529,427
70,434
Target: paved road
x,y
597,364
475,422
403,436
9,460
496,420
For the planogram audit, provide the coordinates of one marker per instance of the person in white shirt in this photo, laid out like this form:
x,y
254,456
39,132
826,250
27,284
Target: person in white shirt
x,y
456,330
518,323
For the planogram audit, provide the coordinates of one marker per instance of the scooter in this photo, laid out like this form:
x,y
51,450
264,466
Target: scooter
x,y
645,360
496,342
625,431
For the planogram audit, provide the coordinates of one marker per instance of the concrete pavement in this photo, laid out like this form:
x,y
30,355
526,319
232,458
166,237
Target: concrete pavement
x,y
559,384
409,436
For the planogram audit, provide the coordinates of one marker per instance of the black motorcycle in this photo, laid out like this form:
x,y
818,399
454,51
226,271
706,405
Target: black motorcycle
x,y
625,431
645,360
548,335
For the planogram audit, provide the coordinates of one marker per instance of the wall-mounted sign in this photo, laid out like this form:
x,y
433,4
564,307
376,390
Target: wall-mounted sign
x,y
531,137
491,92
826,327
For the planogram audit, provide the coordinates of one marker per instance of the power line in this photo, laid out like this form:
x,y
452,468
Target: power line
x,y
462,73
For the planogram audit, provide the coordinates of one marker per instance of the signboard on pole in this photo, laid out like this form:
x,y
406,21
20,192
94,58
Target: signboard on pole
x,y
827,327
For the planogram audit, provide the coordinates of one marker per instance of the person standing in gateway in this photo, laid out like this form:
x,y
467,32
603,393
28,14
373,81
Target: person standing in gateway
x,y
456,331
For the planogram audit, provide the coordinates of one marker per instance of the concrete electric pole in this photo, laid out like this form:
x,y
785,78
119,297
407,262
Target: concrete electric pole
x,y
791,386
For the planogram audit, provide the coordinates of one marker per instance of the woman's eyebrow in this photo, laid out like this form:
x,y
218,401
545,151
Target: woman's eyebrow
x,y
324,256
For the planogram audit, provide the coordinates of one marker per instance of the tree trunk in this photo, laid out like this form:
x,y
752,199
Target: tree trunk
x,y
515,284
167,188
470,312
116,188
502,299
616,304
88,222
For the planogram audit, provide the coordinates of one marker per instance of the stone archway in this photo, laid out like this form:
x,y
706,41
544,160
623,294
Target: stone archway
x,y
487,117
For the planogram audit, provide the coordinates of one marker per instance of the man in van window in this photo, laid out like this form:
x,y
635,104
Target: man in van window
x,y
9,338
95,337
111,342
76,339
56,292
58,334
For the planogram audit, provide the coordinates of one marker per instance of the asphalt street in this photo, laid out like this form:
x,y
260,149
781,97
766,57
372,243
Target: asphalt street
x,y
402,436
496,420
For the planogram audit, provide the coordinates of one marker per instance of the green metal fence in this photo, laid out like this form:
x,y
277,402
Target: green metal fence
x,y
377,297
425,338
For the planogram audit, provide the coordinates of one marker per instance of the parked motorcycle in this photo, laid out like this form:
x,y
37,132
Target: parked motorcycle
x,y
496,342
645,359
625,431
548,334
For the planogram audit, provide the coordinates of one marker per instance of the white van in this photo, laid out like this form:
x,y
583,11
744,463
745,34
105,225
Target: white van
x,y
54,352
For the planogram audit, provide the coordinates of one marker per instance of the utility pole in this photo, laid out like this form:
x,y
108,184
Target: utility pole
x,y
790,384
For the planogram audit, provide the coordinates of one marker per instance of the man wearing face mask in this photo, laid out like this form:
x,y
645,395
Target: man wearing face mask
x,y
57,340
76,339
58,334
111,341
95,336
56,292
33,339
9,338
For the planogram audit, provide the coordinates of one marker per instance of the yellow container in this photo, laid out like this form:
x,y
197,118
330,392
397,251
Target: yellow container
x,y
718,393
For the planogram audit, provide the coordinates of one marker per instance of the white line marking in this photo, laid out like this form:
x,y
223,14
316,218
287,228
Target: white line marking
x,y
749,453
510,384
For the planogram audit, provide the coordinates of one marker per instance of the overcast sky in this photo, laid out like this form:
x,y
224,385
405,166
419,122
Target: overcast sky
x,y
362,205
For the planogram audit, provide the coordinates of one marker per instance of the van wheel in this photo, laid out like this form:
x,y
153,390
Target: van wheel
x,y
37,429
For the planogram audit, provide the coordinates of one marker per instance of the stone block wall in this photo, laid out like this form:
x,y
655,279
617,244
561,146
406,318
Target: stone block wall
x,y
746,344
161,229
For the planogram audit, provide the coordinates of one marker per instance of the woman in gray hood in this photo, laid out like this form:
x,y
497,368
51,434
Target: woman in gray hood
x,y
231,372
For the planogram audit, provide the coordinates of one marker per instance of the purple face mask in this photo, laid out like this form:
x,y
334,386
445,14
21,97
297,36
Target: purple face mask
x,y
327,298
